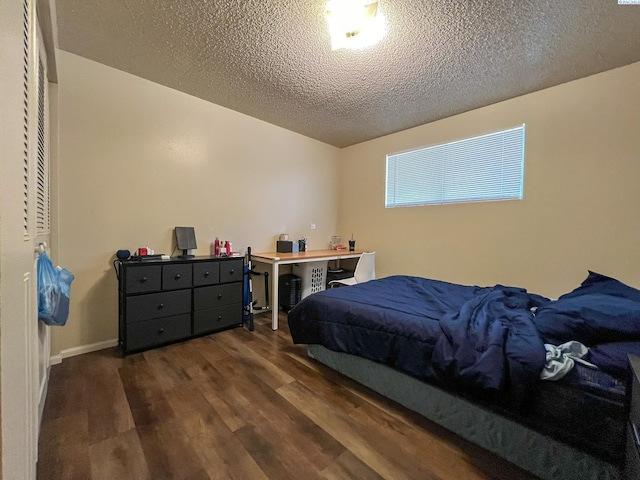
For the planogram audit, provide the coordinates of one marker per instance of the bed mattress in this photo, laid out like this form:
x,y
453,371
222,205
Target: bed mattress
x,y
480,343
474,337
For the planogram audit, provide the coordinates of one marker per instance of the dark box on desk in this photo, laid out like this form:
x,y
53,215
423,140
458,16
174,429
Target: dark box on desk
x,y
284,246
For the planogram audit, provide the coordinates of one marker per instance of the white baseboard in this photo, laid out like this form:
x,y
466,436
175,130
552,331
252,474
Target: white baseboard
x,y
72,352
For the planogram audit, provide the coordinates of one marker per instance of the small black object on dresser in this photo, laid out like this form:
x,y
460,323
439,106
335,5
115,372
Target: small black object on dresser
x,y
164,301
632,467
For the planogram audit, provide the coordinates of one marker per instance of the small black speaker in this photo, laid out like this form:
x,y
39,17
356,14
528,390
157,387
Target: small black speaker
x,y
123,254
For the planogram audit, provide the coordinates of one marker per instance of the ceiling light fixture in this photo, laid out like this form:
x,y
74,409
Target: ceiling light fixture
x,y
354,24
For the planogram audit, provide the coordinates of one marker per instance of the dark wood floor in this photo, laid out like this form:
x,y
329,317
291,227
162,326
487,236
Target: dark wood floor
x,y
238,405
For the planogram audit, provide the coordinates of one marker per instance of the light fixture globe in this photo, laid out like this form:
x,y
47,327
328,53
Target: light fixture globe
x,y
354,24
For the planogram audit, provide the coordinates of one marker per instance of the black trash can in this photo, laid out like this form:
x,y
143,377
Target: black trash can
x,y
289,291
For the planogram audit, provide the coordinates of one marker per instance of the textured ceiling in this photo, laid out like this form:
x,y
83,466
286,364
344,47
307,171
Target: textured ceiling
x,y
272,59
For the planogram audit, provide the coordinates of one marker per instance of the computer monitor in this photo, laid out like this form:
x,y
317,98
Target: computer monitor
x,y
186,240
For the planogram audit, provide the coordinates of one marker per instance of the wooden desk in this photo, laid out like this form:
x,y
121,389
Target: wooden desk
x,y
276,259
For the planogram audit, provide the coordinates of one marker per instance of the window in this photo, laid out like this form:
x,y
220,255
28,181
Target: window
x,y
484,168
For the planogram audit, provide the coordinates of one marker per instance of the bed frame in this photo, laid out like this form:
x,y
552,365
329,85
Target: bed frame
x,y
537,453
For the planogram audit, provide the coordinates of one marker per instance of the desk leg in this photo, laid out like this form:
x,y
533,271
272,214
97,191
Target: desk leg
x,y
274,302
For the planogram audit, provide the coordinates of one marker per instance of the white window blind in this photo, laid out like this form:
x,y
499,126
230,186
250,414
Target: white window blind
x,y
484,168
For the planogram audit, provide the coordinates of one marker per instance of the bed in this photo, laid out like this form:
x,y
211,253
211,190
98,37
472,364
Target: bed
x,y
470,359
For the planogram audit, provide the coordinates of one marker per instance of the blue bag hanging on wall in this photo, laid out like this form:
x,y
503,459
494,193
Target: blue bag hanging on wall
x,y
54,288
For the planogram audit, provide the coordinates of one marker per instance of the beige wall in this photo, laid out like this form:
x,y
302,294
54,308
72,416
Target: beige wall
x,y
137,159
581,206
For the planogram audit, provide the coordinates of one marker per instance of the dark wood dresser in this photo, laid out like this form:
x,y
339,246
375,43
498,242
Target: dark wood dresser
x,y
164,301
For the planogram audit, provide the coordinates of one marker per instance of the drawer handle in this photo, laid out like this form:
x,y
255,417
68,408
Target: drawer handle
x,y
161,306
219,317
219,296
177,277
143,279
231,271
206,274
161,331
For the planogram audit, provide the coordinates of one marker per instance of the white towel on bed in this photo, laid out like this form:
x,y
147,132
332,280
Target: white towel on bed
x,y
562,358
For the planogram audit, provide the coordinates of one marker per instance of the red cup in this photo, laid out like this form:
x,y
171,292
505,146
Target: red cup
x,y
143,251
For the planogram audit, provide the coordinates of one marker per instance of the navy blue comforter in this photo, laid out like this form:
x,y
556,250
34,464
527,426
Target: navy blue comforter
x,y
475,336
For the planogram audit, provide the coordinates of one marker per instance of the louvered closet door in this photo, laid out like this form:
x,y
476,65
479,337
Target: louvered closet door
x,y
42,212
19,235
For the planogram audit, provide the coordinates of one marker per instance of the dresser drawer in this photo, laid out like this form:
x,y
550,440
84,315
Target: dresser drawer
x,y
143,279
217,318
206,273
231,270
176,276
158,300
160,330
155,305
216,296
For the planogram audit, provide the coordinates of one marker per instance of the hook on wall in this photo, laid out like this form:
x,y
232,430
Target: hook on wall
x,y
41,247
